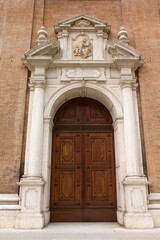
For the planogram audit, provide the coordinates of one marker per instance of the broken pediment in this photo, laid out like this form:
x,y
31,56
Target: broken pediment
x,y
119,49
42,54
82,22
48,48
123,54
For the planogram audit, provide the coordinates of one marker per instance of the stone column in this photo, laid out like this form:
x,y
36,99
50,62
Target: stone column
x,y
100,47
32,184
31,98
46,167
130,131
120,167
135,183
36,137
64,35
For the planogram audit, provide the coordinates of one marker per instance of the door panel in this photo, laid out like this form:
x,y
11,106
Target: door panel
x,y
100,189
67,177
83,171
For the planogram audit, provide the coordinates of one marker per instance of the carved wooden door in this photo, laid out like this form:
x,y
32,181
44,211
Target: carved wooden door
x,y
83,170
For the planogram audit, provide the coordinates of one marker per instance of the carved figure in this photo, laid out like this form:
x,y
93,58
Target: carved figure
x,y
83,48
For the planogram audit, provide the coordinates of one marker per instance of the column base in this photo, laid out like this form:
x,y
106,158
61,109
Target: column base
x,y
46,218
31,194
120,217
29,221
137,215
138,221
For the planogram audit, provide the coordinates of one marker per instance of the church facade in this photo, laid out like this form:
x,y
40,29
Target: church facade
x,y
80,115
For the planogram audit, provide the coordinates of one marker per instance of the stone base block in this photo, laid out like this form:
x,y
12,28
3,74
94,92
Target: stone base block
x,y
138,221
120,217
8,218
29,221
155,213
46,218
154,208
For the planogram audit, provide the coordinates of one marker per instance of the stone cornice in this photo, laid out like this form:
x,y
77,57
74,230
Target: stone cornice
x,y
128,62
82,63
37,61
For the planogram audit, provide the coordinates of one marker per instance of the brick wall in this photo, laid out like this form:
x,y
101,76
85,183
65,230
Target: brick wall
x,y
18,23
15,34
141,17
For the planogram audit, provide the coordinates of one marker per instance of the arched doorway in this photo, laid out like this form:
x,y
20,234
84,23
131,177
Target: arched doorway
x,y
83,172
83,166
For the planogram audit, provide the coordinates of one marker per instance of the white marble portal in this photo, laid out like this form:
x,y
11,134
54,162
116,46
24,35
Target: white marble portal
x,y
83,63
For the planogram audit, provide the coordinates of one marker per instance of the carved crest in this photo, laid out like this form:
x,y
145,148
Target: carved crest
x,y
82,47
82,23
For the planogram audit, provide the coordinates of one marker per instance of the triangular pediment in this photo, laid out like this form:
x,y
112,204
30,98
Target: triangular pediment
x,y
82,22
48,48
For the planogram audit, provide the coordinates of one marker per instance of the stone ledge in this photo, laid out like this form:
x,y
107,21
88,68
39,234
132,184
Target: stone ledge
x,y
10,207
154,198
9,198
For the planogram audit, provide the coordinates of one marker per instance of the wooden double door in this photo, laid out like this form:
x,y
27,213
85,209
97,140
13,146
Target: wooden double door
x,y
83,168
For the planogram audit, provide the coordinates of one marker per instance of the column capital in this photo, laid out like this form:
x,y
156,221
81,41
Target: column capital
x,y
117,122
127,77
65,33
135,86
127,83
38,78
100,33
31,86
48,121
39,84
36,84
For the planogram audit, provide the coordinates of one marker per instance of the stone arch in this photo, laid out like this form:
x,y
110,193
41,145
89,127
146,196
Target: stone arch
x,y
106,96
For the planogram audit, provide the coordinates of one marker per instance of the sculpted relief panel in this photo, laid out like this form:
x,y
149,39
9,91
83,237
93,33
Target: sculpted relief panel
x,y
82,48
